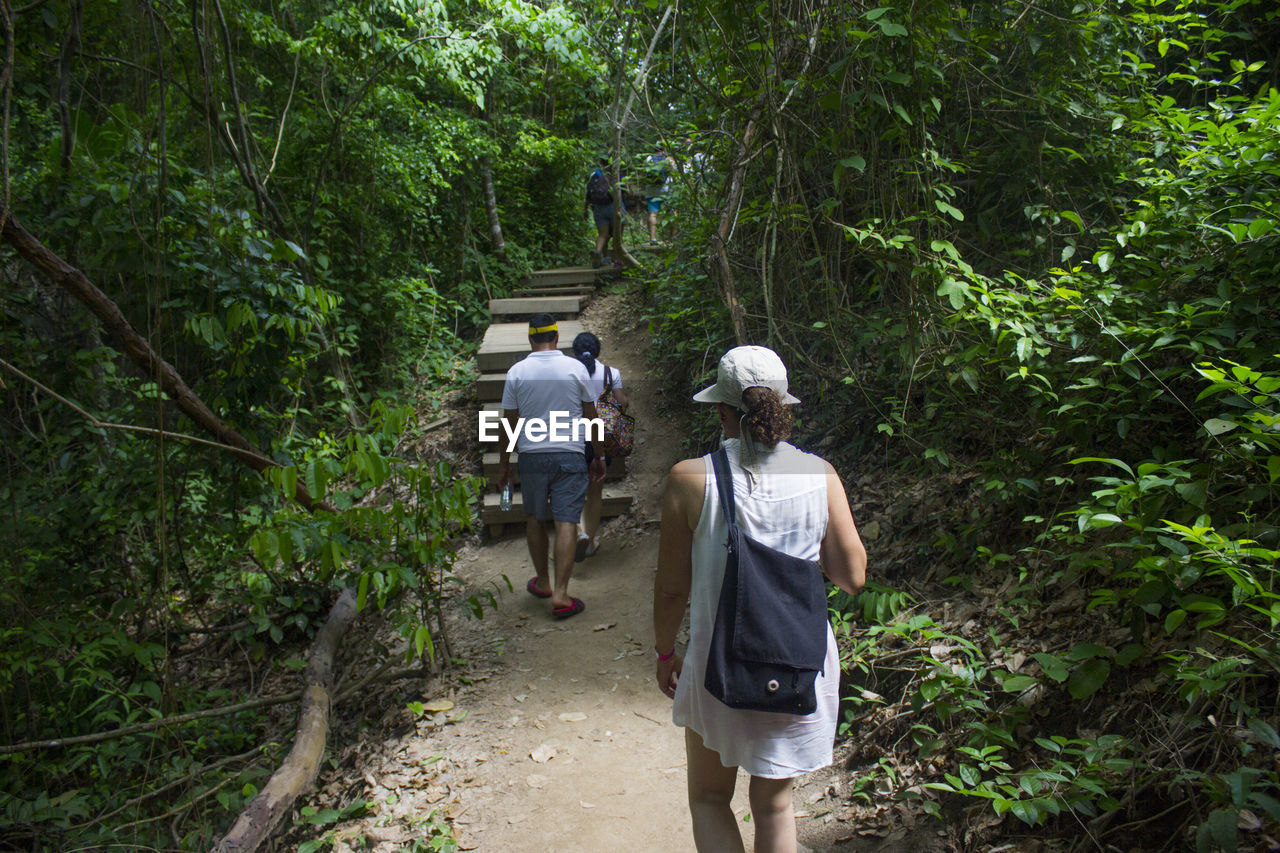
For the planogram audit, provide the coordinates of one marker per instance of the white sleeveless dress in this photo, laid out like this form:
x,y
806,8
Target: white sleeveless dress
x,y
784,507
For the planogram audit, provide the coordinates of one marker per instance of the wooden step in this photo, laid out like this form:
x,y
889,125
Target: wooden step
x,y
562,307
614,502
564,275
506,343
489,386
555,290
616,471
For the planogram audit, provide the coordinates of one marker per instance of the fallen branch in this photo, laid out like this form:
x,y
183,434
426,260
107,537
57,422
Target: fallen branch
x,y
298,772
141,728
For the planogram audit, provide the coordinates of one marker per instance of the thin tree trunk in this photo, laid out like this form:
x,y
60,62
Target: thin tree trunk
x,y
728,216
642,74
70,47
496,242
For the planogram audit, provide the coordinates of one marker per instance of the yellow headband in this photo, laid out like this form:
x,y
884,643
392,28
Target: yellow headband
x,y
538,330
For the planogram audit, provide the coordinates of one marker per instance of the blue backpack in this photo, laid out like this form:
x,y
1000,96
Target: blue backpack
x,y
599,188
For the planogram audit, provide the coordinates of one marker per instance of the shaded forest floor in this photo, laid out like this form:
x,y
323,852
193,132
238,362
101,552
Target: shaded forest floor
x,y
550,735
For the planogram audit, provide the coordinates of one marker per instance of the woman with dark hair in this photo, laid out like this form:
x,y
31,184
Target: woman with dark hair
x,y
790,501
586,348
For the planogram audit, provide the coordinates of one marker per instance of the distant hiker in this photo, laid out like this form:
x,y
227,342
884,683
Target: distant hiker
x,y
586,348
548,385
695,163
599,203
792,502
657,170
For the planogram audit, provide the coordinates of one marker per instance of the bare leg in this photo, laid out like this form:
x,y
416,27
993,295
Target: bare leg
x,y
773,815
566,541
591,509
710,794
602,238
535,535
653,226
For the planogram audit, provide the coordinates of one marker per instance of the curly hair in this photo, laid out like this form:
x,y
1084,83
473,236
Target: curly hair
x,y
768,419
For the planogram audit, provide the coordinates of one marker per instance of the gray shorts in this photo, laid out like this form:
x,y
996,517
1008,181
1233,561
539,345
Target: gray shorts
x,y
553,485
602,214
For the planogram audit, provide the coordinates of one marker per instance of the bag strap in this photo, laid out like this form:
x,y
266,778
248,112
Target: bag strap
x,y
724,485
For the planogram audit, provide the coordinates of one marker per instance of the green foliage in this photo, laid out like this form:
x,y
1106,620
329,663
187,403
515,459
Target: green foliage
x,y
286,202
1026,255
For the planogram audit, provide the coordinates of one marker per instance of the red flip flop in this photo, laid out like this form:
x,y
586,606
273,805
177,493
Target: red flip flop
x,y
575,607
532,587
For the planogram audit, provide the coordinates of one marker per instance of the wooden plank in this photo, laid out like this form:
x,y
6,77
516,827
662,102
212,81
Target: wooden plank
x,y
489,386
561,306
616,470
506,343
554,290
565,275
613,503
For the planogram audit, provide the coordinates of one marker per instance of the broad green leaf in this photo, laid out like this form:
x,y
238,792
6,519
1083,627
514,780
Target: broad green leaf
x,y
1017,683
1084,651
1130,653
1116,462
1053,666
1218,426
1088,677
1073,217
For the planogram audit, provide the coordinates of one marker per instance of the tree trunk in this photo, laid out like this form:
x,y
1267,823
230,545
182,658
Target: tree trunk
x,y
728,216
496,242
298,772
70,47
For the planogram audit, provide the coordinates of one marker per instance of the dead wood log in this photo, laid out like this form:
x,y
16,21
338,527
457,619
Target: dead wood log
x,y
298,772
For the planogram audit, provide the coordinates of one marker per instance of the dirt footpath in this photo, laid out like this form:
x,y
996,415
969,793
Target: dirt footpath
x,y
552,736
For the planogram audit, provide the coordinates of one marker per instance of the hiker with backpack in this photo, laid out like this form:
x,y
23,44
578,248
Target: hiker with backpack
x,y
788,519
657,170
599,203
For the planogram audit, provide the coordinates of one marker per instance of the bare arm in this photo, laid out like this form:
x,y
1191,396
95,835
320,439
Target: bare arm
x,y
681,508
511,417
844,558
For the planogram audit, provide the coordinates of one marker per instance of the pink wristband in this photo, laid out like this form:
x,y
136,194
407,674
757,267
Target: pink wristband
x,y
668,656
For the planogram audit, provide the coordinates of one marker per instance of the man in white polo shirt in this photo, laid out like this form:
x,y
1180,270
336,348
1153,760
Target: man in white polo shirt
x,y
543,394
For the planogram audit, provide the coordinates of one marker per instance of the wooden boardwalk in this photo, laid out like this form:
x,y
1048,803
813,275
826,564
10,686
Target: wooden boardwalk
x,y
563,293
562,307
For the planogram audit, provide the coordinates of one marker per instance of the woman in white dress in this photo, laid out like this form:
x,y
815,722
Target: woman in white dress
x,y
793,502
586,348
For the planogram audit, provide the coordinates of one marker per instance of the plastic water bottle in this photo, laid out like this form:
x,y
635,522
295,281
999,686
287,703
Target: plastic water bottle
x,y
504,503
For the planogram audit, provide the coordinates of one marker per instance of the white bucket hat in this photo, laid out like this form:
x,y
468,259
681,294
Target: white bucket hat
x,y
747,367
